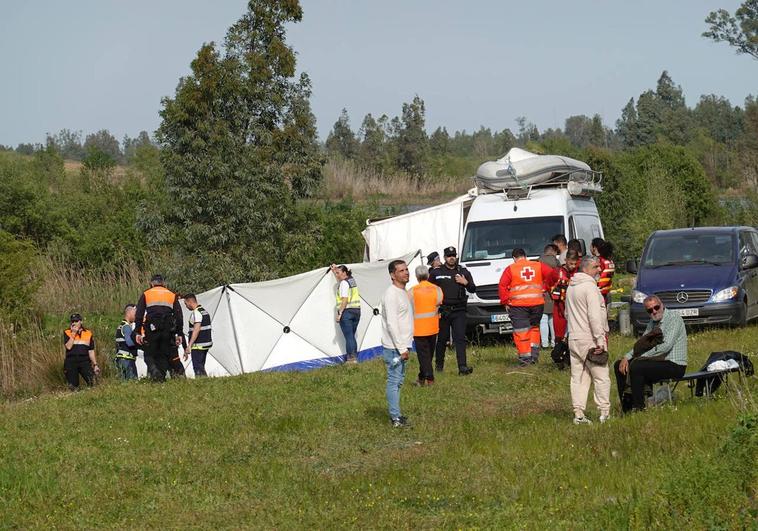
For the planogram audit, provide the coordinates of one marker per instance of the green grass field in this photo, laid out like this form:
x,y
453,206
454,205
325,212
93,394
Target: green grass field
x,y
315,450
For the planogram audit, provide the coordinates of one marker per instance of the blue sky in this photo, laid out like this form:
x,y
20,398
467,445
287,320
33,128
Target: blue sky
x,y
88,65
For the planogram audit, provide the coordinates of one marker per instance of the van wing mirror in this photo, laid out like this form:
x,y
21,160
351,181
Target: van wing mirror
x,y
749,261
632,266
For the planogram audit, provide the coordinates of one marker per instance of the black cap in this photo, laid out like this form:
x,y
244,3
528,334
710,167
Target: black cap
x,y
157,278
75,317
432,257
450,251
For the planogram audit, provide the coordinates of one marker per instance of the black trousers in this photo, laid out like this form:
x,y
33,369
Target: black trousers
x,y
175,365
73,367
425,350
456,320
198,361
159,348
644,372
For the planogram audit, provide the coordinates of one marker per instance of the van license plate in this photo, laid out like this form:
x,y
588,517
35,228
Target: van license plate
x,y
500,318
686,312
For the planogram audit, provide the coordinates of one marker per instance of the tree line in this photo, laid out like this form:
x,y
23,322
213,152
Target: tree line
x,y
722,136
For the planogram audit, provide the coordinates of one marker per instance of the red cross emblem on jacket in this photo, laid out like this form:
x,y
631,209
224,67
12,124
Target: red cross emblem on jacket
x,y
527,273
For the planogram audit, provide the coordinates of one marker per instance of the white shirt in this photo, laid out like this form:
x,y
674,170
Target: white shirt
x,y
344,289
397,319
195,317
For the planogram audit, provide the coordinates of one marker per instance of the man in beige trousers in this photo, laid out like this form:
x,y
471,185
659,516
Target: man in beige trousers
x,y
587,329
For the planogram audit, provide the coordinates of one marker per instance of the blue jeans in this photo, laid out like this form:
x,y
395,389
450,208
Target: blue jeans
x,y
127,369
349,325
395,377
547,332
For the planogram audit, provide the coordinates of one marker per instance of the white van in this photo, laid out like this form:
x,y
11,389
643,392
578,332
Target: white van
x,y
499,223
485,225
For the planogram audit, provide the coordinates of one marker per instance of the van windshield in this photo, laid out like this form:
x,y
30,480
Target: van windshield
x,y
704,248
492,240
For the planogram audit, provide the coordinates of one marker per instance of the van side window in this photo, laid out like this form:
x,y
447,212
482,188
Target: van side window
x,y
747,245
754,238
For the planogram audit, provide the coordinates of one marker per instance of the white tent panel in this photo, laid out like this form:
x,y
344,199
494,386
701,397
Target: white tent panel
x,y
370,343
225,350
256,332
283,297
295,353
315,320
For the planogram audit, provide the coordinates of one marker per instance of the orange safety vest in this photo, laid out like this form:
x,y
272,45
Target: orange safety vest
x,y
426,298
605,282
85,338
526,284
159,296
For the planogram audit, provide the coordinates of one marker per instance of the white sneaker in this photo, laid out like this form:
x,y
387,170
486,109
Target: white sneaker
x,y
604,418
582,420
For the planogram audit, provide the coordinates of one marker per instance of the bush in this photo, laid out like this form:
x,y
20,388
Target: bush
x,y
18,263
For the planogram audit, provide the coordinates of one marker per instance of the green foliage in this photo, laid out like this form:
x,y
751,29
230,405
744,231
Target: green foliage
x,y
68,143
716,115
18,264
98,160
331,234
238,146
412,141
739,31
103,145
341,140
649,188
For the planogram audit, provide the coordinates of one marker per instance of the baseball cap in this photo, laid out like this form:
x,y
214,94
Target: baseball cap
x,y
75,317
450,251
432,257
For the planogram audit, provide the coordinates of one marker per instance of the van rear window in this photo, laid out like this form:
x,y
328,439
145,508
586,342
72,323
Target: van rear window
x,y
492,240
690,249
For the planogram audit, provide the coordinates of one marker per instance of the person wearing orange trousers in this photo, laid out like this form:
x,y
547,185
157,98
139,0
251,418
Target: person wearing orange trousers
x,y
521,289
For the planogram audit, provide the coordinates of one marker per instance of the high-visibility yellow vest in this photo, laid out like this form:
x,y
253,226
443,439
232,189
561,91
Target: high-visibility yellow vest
x,y
353,298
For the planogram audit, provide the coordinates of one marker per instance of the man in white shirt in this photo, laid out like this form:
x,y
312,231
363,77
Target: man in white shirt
x,y
397,336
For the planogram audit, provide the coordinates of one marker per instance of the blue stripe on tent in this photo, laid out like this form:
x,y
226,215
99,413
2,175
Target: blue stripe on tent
x,y
308,365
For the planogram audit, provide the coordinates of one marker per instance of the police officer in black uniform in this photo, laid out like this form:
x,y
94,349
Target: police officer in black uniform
x,y
454,280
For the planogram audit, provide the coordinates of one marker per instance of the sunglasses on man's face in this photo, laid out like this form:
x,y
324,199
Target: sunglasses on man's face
x,y
653,309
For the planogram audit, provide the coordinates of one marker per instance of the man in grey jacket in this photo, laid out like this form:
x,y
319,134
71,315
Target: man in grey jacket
x,y
587,330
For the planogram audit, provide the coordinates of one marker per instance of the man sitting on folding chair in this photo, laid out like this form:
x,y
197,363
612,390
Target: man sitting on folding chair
x,y
665,361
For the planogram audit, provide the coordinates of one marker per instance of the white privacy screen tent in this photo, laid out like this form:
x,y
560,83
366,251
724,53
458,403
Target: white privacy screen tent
x,y
289,323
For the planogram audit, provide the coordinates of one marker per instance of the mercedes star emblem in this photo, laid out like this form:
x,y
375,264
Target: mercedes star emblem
x,y
682,297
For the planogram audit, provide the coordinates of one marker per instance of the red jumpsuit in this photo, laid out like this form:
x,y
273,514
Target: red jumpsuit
x,y
558,294
605,282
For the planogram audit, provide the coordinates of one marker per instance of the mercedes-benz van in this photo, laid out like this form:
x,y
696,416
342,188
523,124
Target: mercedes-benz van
x,y
709,275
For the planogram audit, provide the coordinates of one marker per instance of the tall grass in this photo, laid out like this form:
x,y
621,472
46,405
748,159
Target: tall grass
x,y
31,361
346,179
64,289
31,355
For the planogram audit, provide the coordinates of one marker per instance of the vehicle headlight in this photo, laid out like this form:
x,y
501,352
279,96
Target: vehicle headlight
x,y
638,296
725,294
